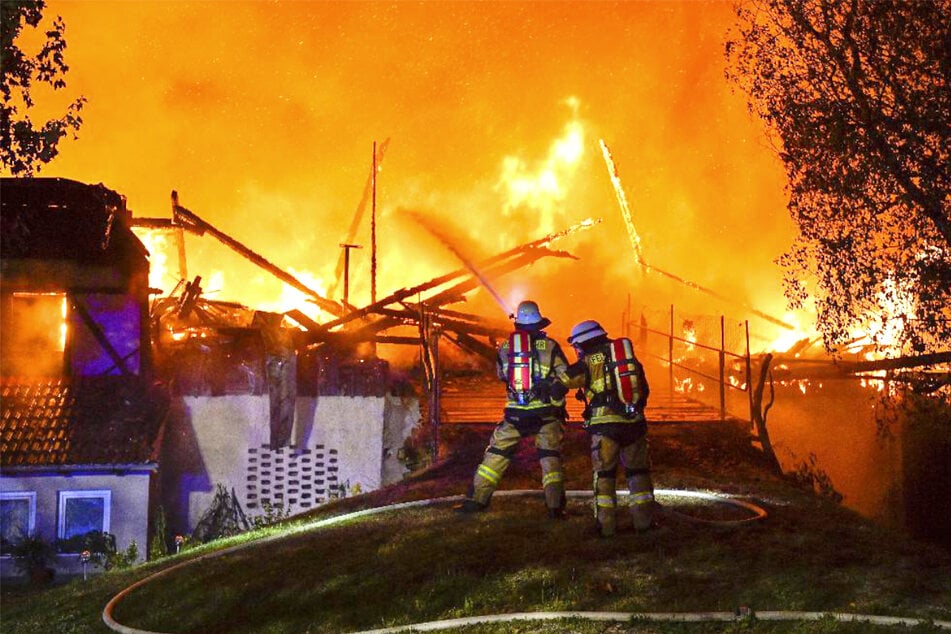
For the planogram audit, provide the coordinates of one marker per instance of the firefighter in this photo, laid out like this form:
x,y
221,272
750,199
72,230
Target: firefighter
x,y
618,429
533,367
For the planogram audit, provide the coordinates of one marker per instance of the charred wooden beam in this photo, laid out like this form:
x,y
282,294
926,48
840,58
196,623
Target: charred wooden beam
x,y
792,368
536,248
471,344
80,309
154,223
415,341
302,319
897,363
192,222
189,298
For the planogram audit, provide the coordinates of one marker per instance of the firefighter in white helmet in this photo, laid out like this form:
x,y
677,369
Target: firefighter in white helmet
x,y
533,366
615,421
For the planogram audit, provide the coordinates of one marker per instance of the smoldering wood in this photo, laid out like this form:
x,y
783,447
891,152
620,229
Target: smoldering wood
x,y
462,329
358,215
793,368
302,319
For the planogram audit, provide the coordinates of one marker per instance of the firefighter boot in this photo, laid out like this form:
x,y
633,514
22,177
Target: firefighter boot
x,y
559,512
642,500
472,503
469,506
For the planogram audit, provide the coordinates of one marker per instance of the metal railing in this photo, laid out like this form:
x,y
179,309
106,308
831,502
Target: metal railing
x,y
679,363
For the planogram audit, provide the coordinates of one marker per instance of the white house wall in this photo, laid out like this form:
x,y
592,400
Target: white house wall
x,y
341,446
128,513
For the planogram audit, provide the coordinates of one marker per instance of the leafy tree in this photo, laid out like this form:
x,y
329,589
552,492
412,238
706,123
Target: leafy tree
x,y
24,147
856,101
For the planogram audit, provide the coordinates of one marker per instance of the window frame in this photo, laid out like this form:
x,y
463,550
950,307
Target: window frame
x,y
30,497
73,494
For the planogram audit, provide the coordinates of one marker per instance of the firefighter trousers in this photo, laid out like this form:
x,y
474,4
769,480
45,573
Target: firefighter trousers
x,y
607,449
502,447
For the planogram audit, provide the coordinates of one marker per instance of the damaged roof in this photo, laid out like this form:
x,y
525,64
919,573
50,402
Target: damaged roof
x,y
113,422
58,218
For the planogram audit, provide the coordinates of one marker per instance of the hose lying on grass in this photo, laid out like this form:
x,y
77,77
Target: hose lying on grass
x,y
756,513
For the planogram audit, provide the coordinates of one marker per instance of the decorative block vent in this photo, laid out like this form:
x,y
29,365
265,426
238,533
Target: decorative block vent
x,y
296,479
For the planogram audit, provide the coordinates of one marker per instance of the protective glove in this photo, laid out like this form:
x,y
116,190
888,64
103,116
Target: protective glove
x,y
558,390
542,390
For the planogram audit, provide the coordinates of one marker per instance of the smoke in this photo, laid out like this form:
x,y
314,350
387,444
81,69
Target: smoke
x,y
263,118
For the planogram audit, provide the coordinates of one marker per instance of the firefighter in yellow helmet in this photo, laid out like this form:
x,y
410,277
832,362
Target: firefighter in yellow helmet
x,y
618,430
533,366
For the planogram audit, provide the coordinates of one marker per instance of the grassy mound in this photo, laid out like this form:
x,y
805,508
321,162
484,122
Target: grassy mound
x,y
428,563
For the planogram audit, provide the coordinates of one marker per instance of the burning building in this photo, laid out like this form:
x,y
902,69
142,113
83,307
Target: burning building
x,y
115,407
81,418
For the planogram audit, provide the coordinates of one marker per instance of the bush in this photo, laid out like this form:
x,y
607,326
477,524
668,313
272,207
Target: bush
x,y
273,513
31,555
102,550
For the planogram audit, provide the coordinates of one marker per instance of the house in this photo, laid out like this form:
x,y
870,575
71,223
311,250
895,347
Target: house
x,y
81,417
280,427
116,409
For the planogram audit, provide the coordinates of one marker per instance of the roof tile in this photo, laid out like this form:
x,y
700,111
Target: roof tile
x,y
94,421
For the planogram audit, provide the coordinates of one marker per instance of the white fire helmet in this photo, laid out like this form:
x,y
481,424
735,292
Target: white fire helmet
x,y
528,315
585,331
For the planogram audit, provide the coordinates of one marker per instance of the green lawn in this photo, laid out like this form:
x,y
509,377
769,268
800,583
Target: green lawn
x,y
428,563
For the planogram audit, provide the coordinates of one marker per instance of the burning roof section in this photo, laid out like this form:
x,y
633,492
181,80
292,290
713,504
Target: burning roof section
x,y
61,219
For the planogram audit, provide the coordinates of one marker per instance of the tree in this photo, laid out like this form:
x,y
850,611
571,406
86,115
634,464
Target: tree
x,y
856,101
24,148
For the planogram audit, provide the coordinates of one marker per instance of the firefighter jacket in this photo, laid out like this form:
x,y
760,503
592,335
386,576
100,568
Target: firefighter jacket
x,y
592,373
551,365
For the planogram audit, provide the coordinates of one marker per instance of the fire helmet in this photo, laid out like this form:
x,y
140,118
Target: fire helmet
x,y
586,331
529,317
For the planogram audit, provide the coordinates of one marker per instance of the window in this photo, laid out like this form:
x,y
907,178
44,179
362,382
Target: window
x,y
83,511
33,334
17,518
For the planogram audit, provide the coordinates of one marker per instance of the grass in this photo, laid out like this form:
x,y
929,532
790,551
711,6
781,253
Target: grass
x,y
428,563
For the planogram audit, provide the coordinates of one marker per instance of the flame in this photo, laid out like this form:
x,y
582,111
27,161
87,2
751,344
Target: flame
x,y
277,155
788,338
690,335
541,189
63,327
157,244
896,305
291,298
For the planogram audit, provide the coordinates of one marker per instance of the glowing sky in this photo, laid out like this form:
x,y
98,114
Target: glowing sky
x,y
262,116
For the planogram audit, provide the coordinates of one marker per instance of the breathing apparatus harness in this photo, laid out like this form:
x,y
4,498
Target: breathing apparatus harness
x,y
621,369
526,378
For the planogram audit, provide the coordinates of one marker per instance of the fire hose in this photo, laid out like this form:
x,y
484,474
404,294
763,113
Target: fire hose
x,y
757,513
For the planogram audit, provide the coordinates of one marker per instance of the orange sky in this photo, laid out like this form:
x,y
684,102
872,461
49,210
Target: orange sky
x,y
262,116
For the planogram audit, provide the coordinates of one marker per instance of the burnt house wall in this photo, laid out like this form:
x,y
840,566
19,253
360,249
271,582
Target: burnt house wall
x,y
335,374
64,240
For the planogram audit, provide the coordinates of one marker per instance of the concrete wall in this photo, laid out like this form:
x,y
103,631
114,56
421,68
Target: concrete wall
x,y
128,516
340,446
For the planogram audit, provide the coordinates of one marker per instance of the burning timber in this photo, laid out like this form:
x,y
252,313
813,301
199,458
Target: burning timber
x,y
365,325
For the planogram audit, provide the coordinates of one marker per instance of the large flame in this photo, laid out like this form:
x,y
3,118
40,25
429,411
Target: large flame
x,y
541,187
501,146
